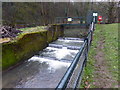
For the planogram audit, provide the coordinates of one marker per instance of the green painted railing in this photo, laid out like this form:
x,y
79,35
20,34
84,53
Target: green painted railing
x,y
63,84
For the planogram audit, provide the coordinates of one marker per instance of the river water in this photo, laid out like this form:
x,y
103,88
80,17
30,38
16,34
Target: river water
x,y
46,68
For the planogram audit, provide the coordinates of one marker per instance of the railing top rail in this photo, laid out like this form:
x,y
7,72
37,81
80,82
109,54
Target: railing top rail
x,y
74,24
64,81
71,17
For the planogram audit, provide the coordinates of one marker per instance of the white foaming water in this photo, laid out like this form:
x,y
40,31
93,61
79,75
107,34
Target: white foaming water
x,y
53,64
70,40
52,48
63,48
61,53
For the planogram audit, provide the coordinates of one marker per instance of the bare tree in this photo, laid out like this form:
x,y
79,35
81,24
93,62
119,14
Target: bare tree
x,y
108,10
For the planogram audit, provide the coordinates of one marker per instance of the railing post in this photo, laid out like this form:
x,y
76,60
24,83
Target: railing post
x,y
92,29
86,52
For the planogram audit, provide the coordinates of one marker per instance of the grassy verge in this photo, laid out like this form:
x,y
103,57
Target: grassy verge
x,y
110,33
32,29
29,30
111,49
88,74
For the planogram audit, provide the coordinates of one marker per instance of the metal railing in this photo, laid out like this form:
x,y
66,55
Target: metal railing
x,y
77,65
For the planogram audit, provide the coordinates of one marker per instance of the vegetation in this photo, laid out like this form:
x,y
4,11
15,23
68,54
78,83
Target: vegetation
x,y
29,30
110,50
42,13
30,14
37,13
108,10
88,73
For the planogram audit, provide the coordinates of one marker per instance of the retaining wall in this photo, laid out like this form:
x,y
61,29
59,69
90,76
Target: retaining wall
x,y
27,45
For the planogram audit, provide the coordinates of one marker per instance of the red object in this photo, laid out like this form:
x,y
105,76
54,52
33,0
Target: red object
x,y
99,18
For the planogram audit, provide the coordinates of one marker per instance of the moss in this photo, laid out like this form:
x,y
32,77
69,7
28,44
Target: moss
x,y
23,48
50,33
7,55
27,44
31,43
54,32
55,35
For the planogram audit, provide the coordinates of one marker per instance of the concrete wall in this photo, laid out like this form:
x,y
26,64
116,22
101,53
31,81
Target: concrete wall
x,y
77,31
16,51
54,32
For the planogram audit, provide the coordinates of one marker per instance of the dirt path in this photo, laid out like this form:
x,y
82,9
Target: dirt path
x,y
102,76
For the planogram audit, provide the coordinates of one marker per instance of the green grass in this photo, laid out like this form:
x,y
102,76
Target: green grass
x,y
111,48
33,29
29,30
110,33
88,74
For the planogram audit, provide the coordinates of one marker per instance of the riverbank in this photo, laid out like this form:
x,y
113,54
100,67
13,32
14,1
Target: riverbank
x,y
102,66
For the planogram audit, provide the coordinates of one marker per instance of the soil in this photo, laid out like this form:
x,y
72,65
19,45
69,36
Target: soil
x,y
102,75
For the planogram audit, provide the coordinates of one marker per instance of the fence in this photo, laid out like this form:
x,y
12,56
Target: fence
x,y
75,20
73,75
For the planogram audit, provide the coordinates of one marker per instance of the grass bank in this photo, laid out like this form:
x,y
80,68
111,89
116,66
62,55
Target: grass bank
x,y
110,34
111,49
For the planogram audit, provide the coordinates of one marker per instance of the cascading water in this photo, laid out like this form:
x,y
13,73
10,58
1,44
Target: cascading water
x,y
45,69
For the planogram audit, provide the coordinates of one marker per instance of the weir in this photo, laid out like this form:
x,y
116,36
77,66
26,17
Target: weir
x,y
46,68
60,65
